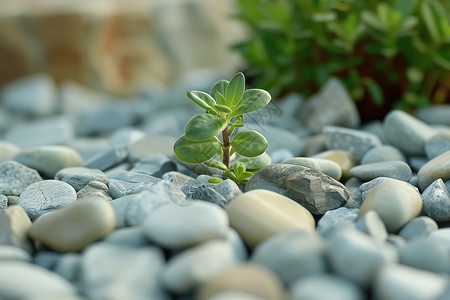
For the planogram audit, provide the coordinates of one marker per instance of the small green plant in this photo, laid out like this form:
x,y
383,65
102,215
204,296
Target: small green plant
x,y
214,132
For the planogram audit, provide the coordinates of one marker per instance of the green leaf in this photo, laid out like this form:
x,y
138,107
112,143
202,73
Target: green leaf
x,y
216,164
245,175
230,174
215,180
202,99
222,108
372,20
219,87
249,143
220,99
375,92
430,21
204,126
253,99
239,168
235,89
196,151
257,162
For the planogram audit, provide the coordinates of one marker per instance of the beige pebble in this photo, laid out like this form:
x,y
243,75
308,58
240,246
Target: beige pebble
x,y
260,214
7,150
343,158
438,167
14,224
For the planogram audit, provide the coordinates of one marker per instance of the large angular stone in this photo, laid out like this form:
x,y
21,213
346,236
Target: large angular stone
x,y
15,177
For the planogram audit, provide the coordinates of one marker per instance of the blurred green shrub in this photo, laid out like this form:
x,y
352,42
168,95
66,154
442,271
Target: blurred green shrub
x,y
386,52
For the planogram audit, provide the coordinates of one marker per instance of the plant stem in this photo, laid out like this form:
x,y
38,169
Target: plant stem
x,y
226,150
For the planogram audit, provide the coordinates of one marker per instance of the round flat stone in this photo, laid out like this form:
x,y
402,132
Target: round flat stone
x,y
438,167
325,166
75,226
173,227
79,177
343,158
260,214
396,203
392,169
406,132
48,160
438,144
15,177
382,153
45,196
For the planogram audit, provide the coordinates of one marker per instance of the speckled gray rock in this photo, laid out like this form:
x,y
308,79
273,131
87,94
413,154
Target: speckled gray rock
x,y
45,196
49,160
438,167
436,201
401,282
104,275
94,189
356,256
176,227
325,287
418,228
325,166
273,178
392,169
425,254
316,191
204,193
373,226
292,255
331,106
228,189
8,253
7,150
79,177
3,202
356,199
356,142
107,159
127,183
382,153
406,132
336,218
435,114
39,281
14,225
437,144
16,177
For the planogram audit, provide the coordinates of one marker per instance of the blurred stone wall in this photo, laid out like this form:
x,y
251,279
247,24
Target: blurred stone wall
x,y
116,46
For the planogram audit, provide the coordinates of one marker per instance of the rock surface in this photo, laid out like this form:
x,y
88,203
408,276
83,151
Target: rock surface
x,y
16,177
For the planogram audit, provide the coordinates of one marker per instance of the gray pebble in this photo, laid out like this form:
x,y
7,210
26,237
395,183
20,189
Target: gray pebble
x,y
418,228
94,189
417,162
280,155
47,259
392,169
126,136
127,183
438,144
154,164
130,236
69,267
3,202
425,254
375,127
15,177
442,235
107,159
382,153
435,114
373,226
356,199
79,177
238,245
8,253
436,201
367,187
336,217
396,241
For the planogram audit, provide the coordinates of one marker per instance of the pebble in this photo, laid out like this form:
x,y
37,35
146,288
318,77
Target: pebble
x,y
447,185
176,227
107,159
436,201
151,144
436,114
14,225
117,272
152,164
126,136
231,295
437,144
129,236
238,245
249,278
357,142
418,228
16,177
94,189
395,202
373,226
292,255
3,202
417,162
45,196
375,127
75,226
316,191
325,287
396,241
325,166
367,187
406,132
68,266
21,280
49,131
79,177
442,235
196,265
127,183
356,256
204,193
331,106
392,169
382,153
280,155
12,200
260,214
356,199
336,218
7,150
343,158
401,282
9,253
49,160
426,255
438,167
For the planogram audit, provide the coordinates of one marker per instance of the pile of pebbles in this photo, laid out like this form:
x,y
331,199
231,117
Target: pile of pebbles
x,y
93,204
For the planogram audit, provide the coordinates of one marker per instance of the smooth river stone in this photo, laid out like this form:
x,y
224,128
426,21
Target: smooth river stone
x,y
250,278
325,166
406,132
343,158
14,224
392,169
173,226
260,214
396,203
75,226
48,160
382,153
316,191
79,177
438,167
7,150
438,144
